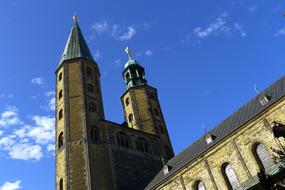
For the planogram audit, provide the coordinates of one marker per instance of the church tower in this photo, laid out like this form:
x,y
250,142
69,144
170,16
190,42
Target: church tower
x,y
79,107
141,105
93,153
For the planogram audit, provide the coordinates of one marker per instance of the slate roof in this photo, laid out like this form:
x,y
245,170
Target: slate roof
x,y
76,46
221,131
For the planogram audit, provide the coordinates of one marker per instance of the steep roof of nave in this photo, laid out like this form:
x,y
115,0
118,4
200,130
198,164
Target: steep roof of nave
x,y
222,130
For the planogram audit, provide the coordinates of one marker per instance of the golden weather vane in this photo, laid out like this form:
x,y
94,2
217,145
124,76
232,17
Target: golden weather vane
x,y
128,51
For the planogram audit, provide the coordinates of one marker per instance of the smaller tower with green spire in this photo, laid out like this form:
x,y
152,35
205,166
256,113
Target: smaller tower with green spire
x,y
141,105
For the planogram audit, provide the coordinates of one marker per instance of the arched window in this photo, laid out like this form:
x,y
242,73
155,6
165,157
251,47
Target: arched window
x,y
60,76
90,88
60,140
156,112
230,176
123,140
94,134
61,184
92,108
131,117
142,145
60,114
262,156
60,95
127,101
89,75
199,185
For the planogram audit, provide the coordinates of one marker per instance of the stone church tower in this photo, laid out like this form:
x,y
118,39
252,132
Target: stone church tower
x,y
93,153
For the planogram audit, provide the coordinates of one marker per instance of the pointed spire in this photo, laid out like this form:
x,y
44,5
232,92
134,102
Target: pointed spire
x,y
76,46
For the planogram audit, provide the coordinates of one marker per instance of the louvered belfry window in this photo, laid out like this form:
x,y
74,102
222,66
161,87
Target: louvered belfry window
x,y
263,157
231,177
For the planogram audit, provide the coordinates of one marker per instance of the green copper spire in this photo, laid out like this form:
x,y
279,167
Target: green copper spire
x,y
76,46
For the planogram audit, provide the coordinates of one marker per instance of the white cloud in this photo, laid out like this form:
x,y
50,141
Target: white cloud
x,y
43,132
148,52
116,31
51,104
51,101
51,148
11,185
38,81
50,93
129,34
220,26
280,32
101,27
26,142
9,117
26,152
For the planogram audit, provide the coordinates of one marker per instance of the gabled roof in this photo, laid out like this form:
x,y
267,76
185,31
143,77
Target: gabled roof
x,y
224,129
76,46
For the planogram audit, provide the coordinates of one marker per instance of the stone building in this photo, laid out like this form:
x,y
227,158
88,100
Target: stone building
x,y
93,153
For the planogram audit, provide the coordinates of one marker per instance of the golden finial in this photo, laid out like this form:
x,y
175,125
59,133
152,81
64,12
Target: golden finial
x,y
128,51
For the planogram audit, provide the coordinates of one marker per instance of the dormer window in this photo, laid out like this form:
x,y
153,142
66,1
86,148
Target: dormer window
x,y
209,138
166,169
263,99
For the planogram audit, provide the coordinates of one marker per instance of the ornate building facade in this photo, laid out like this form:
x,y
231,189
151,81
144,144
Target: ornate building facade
x,y
93,153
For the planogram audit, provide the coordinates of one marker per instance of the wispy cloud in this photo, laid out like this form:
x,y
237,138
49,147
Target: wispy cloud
x,y
148,52
219,26
51,101
97,55
116,31
128,34
252,8
280,32
11,185
7,96
38,81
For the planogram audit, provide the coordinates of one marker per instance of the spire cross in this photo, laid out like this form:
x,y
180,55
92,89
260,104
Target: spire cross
x,y
128,51
75,16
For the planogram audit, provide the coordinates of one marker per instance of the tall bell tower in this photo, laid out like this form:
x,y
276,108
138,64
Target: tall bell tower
x,y
141,105
79,107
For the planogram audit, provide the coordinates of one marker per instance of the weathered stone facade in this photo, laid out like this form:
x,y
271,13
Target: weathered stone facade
x,y
236,149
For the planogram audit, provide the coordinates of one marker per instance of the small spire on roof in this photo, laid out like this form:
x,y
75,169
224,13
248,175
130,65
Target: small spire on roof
x,y
204,128
128,51
256,89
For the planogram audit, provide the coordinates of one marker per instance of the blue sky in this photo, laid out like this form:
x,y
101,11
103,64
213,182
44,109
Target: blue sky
x,y
203,56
